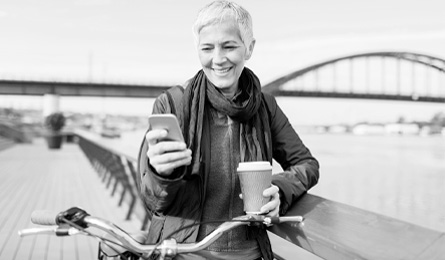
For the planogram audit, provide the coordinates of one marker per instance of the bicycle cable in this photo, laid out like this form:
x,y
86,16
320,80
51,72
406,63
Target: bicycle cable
x,y
186,227
106,241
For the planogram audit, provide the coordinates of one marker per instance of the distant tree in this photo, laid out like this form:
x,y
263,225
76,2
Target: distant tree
x,y
438,119
55,121
437,123
401,120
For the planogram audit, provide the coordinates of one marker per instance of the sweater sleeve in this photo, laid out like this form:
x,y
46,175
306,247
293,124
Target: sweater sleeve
x,y
301,169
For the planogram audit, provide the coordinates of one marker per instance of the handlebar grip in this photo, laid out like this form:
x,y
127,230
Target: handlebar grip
x,y
298,219
44,217
278,220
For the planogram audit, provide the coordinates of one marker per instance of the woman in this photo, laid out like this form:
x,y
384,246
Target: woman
x,y
225,120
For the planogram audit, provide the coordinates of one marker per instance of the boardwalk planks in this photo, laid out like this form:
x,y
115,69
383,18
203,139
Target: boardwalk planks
x,y
33,177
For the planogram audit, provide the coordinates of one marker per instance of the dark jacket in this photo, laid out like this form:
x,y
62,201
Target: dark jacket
x,y
177,202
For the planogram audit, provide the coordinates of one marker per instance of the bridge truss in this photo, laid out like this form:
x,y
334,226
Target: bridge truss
x,y
378,75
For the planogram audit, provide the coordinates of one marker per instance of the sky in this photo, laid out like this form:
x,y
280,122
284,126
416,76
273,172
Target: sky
x,y
142,41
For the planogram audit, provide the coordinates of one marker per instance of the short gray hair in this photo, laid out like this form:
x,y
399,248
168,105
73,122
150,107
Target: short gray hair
x,y
217,11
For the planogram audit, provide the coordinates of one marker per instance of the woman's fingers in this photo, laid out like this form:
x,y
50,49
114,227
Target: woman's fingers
x,y
165,156
153,136
167,168
165,163
273,206
170,157
166,147
273,189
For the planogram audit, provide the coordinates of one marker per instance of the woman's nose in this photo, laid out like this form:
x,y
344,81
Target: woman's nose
x,y
219,56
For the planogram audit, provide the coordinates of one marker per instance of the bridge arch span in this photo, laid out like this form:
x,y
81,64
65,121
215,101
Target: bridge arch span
x,y
401,76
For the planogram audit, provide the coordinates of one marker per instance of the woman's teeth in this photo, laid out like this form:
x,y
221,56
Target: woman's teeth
x,y
221,70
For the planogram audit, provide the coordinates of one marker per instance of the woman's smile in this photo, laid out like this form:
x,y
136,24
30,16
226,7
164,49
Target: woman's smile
x,y
222,72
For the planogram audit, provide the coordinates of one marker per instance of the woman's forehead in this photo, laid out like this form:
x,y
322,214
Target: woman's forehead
x,y
226,30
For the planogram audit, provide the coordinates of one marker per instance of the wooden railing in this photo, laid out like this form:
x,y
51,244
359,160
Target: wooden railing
x,y
5,143
334,230
331,230
13,132
118,172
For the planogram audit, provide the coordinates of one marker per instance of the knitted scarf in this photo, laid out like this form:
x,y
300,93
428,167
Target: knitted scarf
x,y
249,110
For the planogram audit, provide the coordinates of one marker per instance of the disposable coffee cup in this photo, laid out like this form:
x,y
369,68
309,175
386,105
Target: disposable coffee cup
x,y
254,177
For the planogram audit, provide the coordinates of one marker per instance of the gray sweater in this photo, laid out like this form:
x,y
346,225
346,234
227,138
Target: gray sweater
x,y
222,200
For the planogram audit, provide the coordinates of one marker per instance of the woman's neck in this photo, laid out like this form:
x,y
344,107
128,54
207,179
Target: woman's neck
x,y
229,93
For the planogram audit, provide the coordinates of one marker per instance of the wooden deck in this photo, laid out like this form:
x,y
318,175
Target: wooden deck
x,y
33,177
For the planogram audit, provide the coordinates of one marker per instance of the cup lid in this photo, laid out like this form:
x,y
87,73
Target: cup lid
x,y
254,166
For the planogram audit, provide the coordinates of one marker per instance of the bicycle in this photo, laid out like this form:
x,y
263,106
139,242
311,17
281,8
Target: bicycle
x,y
76,221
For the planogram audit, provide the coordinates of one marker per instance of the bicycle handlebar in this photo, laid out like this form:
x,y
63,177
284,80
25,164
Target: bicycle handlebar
x,y
44,217
168,247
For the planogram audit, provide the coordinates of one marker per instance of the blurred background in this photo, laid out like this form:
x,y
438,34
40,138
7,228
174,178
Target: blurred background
x,y
383,155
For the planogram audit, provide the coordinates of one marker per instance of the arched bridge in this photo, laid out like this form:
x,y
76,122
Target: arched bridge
x,y
378,75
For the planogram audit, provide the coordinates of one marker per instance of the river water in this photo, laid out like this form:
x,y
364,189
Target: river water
x,y
397,176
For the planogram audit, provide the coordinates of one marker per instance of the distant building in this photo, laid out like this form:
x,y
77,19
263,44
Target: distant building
x,y
368,129
338,129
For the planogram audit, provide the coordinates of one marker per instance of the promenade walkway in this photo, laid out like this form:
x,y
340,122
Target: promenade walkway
x,y
33,177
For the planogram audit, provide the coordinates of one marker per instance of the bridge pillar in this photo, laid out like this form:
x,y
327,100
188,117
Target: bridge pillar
x,y
51,104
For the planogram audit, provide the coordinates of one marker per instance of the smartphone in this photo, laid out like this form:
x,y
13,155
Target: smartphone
x,y
168,122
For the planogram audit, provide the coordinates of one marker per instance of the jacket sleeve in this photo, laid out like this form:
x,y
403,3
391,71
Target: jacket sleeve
x,y
301,169
157,192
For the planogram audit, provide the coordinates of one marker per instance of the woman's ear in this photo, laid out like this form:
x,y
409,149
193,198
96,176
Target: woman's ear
x,y
250,49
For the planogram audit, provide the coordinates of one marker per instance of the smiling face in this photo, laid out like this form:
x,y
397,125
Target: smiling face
x,y
223,54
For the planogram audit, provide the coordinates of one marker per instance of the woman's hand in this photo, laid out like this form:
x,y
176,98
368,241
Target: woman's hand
x,y
273,206
165,156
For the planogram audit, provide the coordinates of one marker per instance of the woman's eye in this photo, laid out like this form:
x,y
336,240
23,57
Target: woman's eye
x,y
206,47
